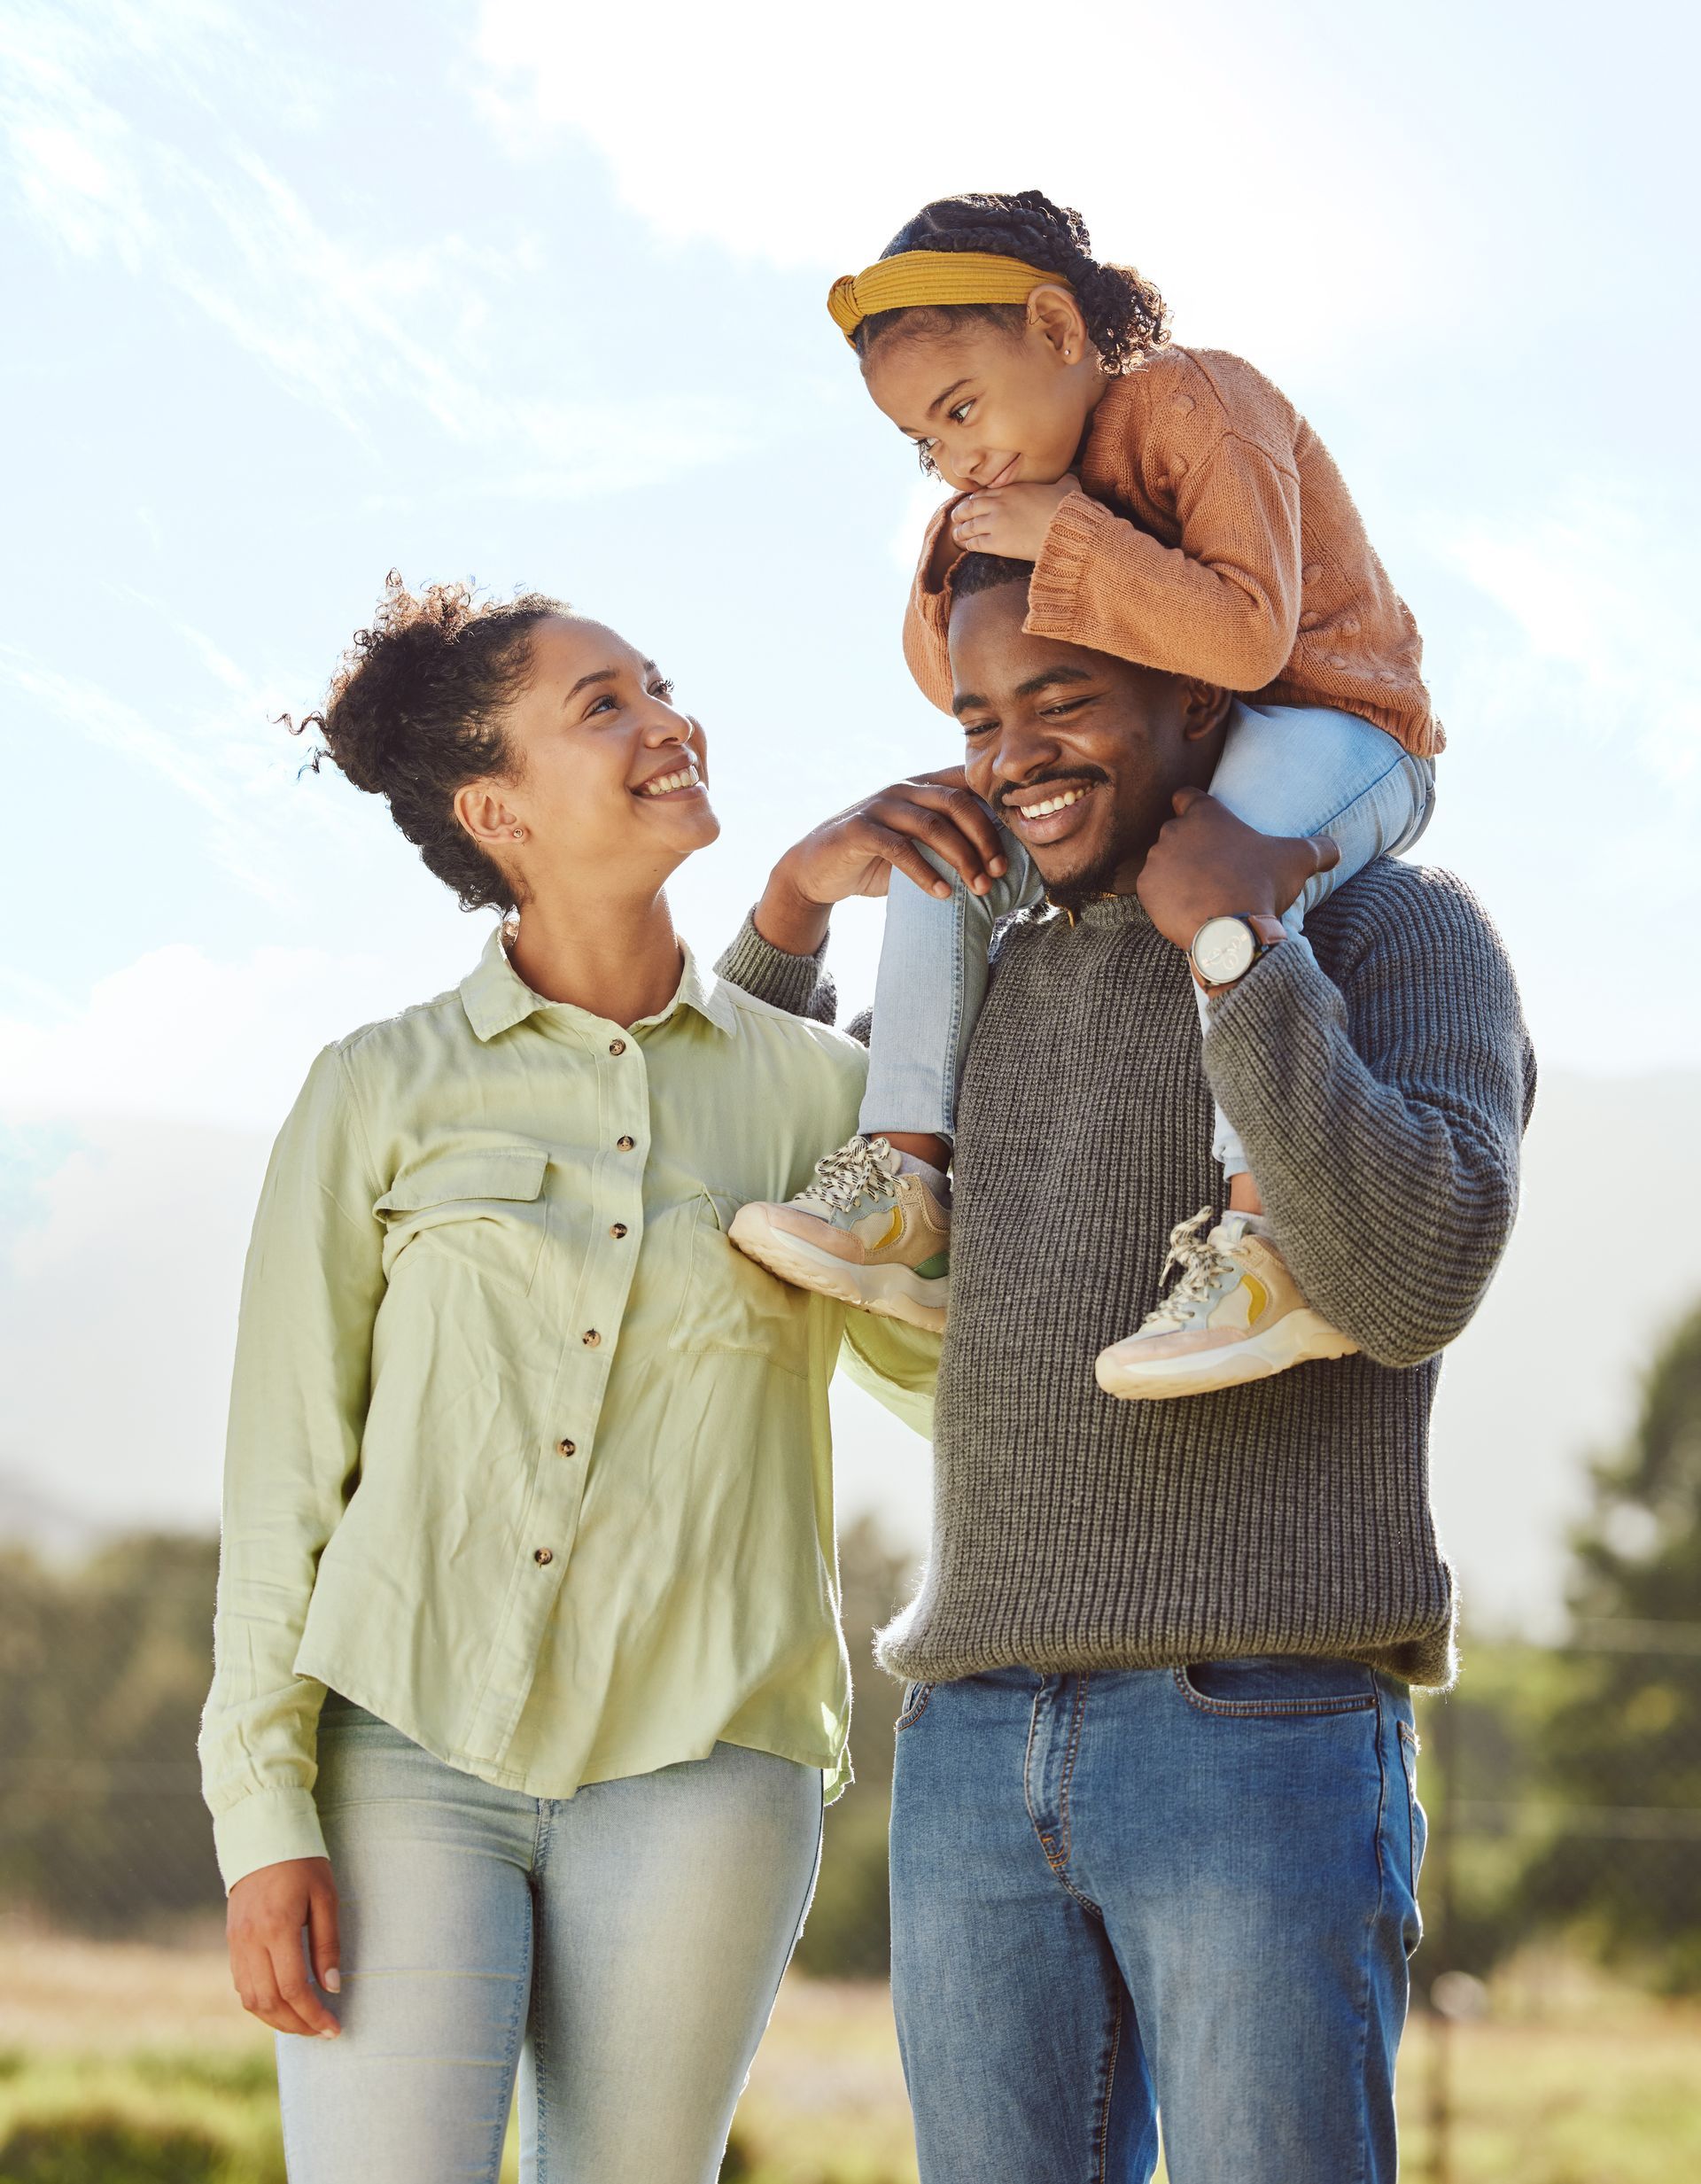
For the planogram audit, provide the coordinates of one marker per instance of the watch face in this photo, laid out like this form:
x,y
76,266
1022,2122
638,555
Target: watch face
x,y
1222,951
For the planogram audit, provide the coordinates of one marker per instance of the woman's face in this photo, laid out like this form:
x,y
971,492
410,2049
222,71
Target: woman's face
x,y
608,779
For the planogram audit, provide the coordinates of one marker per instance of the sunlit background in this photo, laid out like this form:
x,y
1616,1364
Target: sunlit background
x,y
534,294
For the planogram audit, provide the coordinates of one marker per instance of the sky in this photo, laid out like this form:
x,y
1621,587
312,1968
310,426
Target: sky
x,y
298,294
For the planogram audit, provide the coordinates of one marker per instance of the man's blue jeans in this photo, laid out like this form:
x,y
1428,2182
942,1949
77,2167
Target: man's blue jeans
x,y
1132,1894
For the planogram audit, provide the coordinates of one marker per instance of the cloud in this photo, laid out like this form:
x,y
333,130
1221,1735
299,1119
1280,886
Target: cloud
x,y
802,138
348,319
180,1035
1602,597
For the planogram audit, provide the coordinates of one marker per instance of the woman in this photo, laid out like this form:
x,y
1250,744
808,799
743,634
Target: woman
x,y
529,1679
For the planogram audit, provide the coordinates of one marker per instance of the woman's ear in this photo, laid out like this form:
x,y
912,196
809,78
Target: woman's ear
x,y
1055,317
1204,708
480,809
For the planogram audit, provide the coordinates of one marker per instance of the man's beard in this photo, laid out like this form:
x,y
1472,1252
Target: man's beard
x,y
1091,883
1093,879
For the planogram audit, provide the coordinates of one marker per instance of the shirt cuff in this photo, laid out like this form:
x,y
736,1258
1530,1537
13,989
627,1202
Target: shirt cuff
x,y
266,1827
1075,535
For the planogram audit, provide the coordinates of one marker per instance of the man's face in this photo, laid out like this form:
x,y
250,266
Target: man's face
x,y
1079,754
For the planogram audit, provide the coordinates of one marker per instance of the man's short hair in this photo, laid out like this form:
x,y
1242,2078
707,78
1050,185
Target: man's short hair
x,y
983,572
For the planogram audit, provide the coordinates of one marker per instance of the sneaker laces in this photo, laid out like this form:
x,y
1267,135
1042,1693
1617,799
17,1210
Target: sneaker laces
x,y
866,1168
1200,1264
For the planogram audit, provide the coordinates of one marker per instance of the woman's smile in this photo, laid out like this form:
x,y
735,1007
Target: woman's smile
x,y
673,782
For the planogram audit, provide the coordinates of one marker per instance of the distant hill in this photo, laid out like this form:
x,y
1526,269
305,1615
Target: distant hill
x,y
118,1294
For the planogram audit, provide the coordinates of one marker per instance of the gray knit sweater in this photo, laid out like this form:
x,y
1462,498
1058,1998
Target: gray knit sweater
x,y
1381,1089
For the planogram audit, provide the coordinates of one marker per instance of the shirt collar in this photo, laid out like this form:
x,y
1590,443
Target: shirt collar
x,y
496,998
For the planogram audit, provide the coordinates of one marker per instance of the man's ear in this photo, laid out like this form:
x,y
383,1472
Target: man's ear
x,y
481,810
1055,317
1204,708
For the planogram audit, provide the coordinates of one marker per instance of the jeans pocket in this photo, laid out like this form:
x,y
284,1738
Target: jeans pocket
x,y
915,1703
1276,1686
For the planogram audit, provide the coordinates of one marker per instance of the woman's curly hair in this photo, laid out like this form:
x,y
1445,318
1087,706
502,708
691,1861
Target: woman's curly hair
x,y
1126,317
413,713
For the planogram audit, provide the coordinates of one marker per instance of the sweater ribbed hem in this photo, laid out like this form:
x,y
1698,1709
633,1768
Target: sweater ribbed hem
x,y
1072,538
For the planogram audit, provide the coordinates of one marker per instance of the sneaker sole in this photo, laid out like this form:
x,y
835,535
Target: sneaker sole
x,y
889,1292
1297,1339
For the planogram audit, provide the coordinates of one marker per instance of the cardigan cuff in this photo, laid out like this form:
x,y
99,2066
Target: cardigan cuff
x,y
1074,535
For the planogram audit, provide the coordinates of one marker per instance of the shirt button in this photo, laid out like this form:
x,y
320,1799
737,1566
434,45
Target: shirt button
x,y
618,1231
590,1338
566,1448
617,1046
543,1556
625,1144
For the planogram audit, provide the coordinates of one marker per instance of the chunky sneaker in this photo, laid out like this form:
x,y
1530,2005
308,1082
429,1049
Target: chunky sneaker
x,y
1234,1315
863,1231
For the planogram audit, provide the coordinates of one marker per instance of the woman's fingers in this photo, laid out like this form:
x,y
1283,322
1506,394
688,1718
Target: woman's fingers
x,y
257,1987
322,1946
296,1996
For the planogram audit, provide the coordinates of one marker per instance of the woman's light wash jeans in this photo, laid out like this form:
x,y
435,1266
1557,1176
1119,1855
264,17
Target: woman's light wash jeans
x,y
621,1949
1285,769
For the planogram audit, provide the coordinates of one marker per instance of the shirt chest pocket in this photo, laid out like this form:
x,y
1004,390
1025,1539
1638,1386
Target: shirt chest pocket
x,y
482,1209
730,1303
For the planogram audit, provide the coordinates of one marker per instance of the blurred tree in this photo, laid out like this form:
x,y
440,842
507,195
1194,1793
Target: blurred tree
x,y
1628,1734
847,1935
102,1670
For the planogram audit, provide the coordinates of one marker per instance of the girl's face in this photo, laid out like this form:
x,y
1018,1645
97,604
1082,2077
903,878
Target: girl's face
x,y
608,776
988,406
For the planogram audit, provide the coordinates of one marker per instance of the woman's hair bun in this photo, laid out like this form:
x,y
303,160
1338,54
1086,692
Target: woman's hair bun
x,y
414,711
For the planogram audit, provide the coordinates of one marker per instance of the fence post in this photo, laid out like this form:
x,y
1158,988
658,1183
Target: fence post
x,y
1439,1877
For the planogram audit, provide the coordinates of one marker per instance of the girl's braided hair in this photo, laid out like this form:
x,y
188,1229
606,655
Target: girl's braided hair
x,y
1126,317
413,713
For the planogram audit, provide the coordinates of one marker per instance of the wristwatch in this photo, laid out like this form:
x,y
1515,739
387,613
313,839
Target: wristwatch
x,y
1225,949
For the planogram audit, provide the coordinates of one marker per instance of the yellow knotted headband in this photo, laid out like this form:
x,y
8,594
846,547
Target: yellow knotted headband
x,y
918,278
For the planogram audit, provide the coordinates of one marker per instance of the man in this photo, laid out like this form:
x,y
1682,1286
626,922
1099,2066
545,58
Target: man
x,y
1155,1826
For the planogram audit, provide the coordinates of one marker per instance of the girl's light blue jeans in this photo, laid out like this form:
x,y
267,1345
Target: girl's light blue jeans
x,y
620,1950
1285,769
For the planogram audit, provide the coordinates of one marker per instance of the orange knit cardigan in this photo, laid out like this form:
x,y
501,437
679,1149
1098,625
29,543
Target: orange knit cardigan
x,y
1213,537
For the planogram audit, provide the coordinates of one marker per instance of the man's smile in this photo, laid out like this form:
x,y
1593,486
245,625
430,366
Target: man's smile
x,y
1048,810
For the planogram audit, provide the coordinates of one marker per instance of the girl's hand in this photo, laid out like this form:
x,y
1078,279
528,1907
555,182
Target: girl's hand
x,y
266,1912
856,852
1011,520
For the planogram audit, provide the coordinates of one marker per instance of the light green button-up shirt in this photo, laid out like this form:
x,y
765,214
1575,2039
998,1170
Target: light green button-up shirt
x,y
523,1456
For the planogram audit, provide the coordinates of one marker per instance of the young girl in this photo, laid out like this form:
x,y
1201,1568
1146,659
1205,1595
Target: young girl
x,y
1178,513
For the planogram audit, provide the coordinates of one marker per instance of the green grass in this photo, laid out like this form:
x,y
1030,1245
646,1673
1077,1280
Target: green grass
x,y
1566,2082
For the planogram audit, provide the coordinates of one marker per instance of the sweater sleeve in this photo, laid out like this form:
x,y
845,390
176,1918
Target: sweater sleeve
x,y
800,984
310,1297
1223,605
1382,1115
927,645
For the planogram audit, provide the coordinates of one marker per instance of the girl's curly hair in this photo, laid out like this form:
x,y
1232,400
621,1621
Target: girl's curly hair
x,y
413,713
1126,317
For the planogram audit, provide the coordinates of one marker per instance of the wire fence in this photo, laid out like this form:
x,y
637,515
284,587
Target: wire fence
x,y
1516,1850
1562,1783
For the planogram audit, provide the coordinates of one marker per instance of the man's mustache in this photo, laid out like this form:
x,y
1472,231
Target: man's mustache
x,y
1044,780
